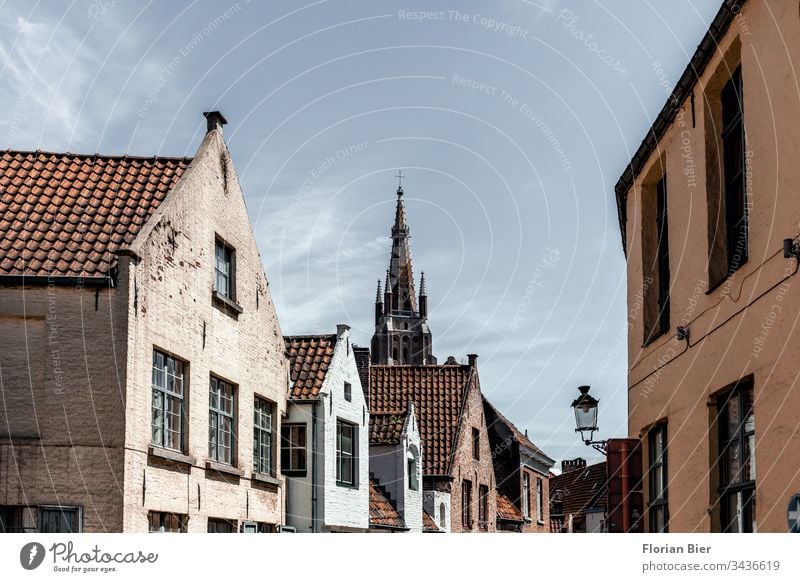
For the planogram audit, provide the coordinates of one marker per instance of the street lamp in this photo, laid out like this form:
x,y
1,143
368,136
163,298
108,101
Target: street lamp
x,y
585,407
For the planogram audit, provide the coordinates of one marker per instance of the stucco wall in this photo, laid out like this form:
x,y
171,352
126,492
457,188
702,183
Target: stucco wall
x,y
727,343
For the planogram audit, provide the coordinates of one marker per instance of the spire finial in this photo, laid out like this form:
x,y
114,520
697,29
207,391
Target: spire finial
x,y
387,286
422,290
378,297
399,177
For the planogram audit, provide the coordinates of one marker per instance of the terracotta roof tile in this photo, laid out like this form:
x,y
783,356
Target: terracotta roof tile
x,y
386,428
52,192
437,393
506,509
580,489
309,359
381,510
428,523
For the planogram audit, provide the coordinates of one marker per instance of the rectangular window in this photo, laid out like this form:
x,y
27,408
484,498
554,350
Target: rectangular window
x,y
658,478
539,500
526,495
483,506
262,437
224,269
221,525
737,463
346,456
662,255
476,444
169,409
221,428
734,178
59,520
466,503
348,391
293,449
163,522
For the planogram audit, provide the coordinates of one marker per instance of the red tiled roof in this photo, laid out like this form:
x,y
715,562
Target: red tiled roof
x,y
507,510
428,523
580,489
386,428
381,511
309,358
66,215
438,395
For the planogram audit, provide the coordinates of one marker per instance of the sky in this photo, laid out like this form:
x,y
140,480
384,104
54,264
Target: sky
x,y
512,121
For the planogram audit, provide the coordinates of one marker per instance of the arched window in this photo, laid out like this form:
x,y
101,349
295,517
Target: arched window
x,y
442,521
413,468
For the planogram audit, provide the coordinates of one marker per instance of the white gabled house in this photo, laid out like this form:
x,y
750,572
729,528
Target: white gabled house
x,y
324,437
395,467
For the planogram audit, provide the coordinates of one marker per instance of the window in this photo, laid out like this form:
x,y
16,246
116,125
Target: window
x,y
442,516
657,477
734,178
220,421
346,457
257,527
539,500
163,522
348,391
224,269
221,525
476,444
737,466
17,519
59,520
413,472
483,503
655,259
262,437
662,255
526,495
169,407
466,503
293,449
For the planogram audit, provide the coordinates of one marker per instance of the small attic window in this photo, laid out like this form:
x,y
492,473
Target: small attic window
x,y
348,391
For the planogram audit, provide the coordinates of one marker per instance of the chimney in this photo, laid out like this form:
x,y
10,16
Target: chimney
x,y
214,120
573,465
341,328
472,359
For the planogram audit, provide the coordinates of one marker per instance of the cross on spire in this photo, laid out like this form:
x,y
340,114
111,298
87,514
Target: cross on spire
x,y
399,177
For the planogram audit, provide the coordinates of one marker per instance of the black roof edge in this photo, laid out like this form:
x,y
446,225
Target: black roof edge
x,y
705,50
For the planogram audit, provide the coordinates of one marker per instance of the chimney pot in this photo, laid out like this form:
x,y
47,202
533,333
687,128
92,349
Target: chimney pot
x,y
472,359
341,328
214,120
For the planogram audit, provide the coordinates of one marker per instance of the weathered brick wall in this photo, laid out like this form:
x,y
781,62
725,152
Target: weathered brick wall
x,y
63,399
171,308
480,472
538,523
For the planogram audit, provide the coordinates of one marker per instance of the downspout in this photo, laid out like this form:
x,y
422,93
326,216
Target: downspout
x,y
314,528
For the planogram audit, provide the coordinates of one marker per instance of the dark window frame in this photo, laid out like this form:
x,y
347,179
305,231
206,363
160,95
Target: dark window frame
x,y
348,391
658,497
539,500
160,415
179,519
742,441
290,442
346,457
734,175
225,256
476,444
662,255
466,503
221,525
483,506
63,510
526,495
263,436
217,415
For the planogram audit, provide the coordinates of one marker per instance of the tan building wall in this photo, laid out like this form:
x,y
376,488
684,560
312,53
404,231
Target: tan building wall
x,y
747,324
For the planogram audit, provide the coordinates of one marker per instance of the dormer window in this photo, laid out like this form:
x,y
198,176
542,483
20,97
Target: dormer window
x,y
225,282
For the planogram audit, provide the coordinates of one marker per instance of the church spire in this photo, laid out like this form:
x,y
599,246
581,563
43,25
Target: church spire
x,y
401,277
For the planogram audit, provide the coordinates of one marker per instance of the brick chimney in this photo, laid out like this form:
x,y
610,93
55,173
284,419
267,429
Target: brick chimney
x,y
573,465
214,120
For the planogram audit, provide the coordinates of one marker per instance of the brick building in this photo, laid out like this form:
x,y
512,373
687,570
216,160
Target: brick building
x,y
705,206
143,369
578,498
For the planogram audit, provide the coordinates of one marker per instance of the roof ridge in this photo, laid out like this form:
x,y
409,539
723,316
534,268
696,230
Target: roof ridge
x,y
97,155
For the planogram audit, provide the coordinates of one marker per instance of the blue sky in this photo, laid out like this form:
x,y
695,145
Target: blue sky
x,y
512,121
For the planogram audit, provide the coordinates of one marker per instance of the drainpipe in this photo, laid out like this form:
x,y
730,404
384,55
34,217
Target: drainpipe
x,y
626,487
314,528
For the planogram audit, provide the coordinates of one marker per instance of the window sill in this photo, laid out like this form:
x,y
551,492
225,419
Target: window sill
x,y
294,473
223,468
346,485
264,478
539,522
228,305
170,455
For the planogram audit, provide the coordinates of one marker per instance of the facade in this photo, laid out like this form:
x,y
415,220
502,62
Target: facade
x,y
522,471
395,464
579,498
324,438
704,209
143,367
401,333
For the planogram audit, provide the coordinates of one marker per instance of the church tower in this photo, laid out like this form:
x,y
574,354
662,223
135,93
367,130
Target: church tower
x,y
401,333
